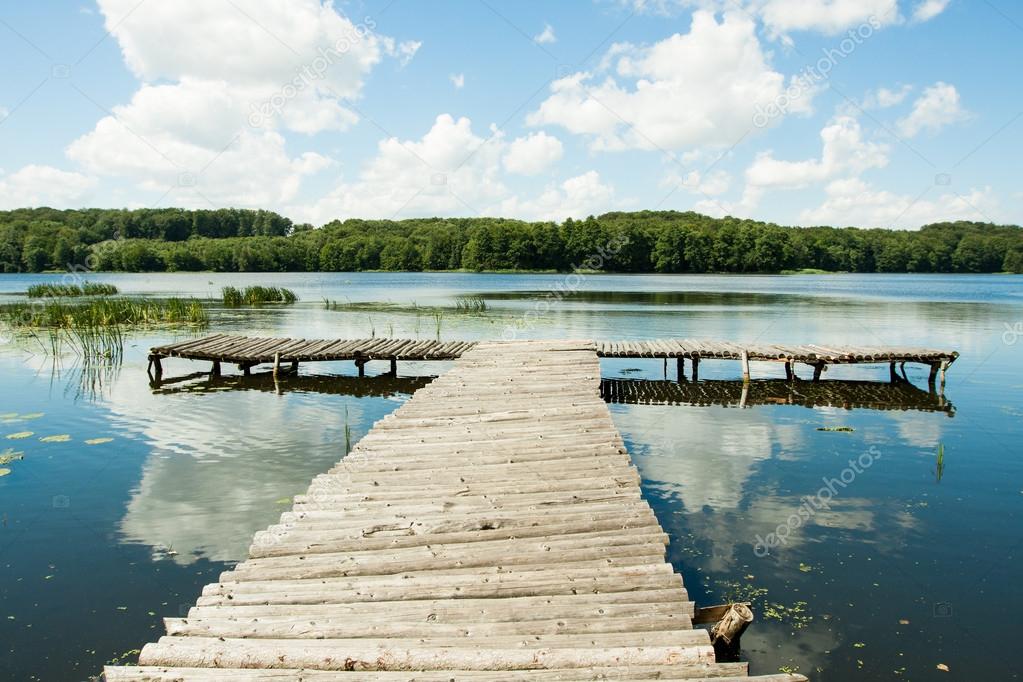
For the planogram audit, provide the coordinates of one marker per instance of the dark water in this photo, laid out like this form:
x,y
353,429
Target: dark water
x,y
904,569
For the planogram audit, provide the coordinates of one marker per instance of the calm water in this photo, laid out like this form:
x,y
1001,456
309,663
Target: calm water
x,y
902,571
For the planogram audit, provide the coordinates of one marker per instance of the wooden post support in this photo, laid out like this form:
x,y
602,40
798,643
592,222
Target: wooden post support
x,y
665,367
942,371
745,395
745,366
696,368
680,369
361,364
157,367
277,364
215,371
818,369
726,632
394,367
893,375
789,374
294,366
932,375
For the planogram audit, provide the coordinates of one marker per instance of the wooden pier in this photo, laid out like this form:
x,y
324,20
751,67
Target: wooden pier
x,y
491,528
286,354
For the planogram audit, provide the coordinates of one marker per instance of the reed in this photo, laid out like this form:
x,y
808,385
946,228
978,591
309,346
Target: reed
x,y
70,290
96,328
470,304
257,295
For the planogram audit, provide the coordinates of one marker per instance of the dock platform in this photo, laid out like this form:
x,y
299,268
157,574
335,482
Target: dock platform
x,y
247,352
491,528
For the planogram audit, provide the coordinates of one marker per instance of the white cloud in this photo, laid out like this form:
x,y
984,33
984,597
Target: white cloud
x,y
577,197
826,16
854,202
936,108
926,10
884,98
450,170
843,151
220,80
458,80
546,36
36,185
782,16
697,89
453,171
404,51
532,154
185,141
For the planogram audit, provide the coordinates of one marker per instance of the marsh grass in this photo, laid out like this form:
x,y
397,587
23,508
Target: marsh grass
x,y
70,290
96,328
257,295
470,304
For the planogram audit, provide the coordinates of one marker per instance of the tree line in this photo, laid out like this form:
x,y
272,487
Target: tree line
x,y
232,240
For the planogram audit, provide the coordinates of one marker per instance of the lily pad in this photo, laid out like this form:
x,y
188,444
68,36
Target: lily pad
x,y
98,441
9,455
20,434
62,438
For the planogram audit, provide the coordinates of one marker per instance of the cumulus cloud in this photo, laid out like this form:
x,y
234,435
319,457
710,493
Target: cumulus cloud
x,y
451,170
854,202
928,9
843,151
826,16
221,83
884,98
937,107
546,36
783,16
698,88
532,154
36,185
576,197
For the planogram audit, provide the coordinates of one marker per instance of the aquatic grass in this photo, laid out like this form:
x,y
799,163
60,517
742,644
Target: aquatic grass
x,y
470,304
257,295
70,290
96,328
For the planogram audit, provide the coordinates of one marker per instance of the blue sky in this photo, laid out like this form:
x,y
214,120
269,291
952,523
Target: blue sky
x,y
889,113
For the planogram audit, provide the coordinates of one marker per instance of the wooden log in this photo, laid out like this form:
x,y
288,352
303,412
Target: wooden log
x,y
720,672
326,654
726,633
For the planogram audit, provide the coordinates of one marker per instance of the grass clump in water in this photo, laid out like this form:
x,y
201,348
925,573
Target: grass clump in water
x,y
95,328
470,304
70,290
257,295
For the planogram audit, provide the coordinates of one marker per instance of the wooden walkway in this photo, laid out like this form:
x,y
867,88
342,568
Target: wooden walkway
x,y
491,528
247,352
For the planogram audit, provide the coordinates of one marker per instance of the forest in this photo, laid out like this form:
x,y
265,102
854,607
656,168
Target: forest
x,y
239,240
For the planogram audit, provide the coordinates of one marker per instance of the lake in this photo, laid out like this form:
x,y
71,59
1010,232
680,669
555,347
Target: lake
x,y
130,497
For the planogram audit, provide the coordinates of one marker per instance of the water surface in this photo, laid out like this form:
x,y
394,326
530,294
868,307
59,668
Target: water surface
x,y
895,576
